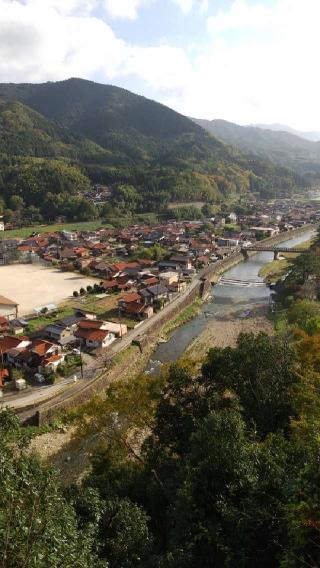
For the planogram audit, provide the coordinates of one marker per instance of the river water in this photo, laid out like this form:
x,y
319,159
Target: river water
x,y
241,288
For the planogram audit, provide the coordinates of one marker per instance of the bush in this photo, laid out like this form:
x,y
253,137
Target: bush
x,y
82,291
89,289
85,271
75,294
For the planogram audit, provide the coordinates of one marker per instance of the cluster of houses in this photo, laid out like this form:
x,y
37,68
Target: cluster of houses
x,y
40,354
146,266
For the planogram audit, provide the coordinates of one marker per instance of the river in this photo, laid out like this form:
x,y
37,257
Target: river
x,y
240,288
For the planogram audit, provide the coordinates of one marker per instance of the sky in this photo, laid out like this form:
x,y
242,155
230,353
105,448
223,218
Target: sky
x,y
245,61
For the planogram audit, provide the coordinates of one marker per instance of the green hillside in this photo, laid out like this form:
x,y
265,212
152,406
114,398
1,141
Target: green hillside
x,y
280,147
57,139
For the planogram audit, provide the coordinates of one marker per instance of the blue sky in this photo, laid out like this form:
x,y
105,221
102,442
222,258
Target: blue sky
x,y
241,60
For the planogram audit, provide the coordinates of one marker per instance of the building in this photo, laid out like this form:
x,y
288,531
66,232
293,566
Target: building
x,y
268,231
169,277
95,338
8,308
99,334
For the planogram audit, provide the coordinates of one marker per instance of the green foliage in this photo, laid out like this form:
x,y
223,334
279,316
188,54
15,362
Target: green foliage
x,y
148,154
305,314
38,527
185,213
261,371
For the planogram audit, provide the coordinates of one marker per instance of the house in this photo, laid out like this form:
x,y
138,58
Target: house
x,y
269,231
128,299
12,342
156,293
227,242
68,236
95,338
58,333
8,308
110,285
136,310
183,261
169,277
51,363
17,326
34,355
117,329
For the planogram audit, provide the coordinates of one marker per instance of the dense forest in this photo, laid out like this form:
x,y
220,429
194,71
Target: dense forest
x,y
58,139
207,466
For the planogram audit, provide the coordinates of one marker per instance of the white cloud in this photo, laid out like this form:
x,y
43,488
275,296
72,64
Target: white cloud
x,y
204,6
184,5
260,65
241,16
125,9
257,64
53,40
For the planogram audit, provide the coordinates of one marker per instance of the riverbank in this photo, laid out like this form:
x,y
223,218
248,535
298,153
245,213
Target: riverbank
x,y
223,331
186,315
278,269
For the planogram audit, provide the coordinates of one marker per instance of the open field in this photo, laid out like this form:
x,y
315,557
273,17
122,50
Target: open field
x,y
27,231
33,285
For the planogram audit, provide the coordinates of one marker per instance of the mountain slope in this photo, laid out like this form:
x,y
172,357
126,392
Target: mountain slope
x,y
25,132
280,147
110,116
111,136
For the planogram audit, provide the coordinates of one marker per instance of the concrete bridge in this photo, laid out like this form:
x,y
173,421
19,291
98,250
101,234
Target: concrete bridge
x,y
276,249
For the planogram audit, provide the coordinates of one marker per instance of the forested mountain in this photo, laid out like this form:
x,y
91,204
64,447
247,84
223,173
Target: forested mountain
x,y
284,148
60,138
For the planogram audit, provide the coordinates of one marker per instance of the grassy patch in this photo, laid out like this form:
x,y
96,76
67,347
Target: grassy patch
x,y
274,270
126,355
91,303
44,320
277,269
186,315
27,231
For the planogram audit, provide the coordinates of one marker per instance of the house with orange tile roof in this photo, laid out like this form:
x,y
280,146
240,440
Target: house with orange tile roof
x,y
95,338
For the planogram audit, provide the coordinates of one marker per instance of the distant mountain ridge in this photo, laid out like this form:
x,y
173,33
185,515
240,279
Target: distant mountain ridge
x,y
312,136
283,148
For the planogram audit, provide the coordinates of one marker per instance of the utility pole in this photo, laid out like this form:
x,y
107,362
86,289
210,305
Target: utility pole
x,y
81,363
119,311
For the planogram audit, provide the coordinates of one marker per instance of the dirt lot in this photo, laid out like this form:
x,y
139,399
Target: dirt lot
x,y
32,285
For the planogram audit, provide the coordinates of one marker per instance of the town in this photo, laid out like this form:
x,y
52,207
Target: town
x,y
133,273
